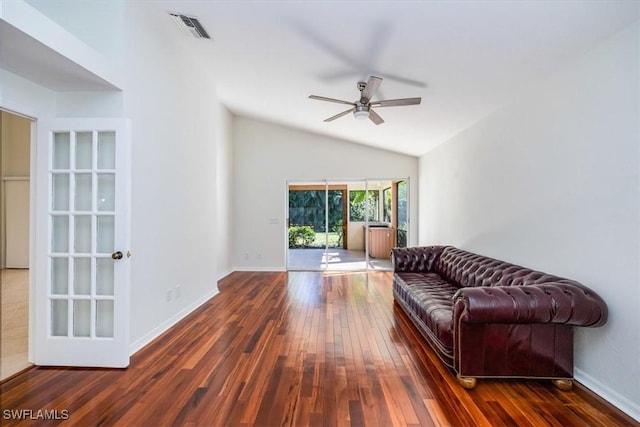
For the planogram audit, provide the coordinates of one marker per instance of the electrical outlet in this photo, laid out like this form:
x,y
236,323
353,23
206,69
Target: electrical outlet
x,y
177,291
169,295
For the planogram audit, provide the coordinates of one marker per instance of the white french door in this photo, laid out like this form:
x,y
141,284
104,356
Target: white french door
x,y
82,243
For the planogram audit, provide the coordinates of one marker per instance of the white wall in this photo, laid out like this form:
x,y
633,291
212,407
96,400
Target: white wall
x,y
267,155
171,101
224,192
25,97
98,23
552,182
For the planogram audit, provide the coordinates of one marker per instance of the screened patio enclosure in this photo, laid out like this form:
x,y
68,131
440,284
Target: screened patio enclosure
x,y
346,225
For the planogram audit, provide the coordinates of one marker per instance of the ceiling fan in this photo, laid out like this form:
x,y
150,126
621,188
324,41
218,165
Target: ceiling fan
x,y
362,108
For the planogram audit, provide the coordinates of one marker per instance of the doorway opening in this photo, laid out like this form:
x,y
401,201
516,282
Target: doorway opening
x,y
345,225
15,174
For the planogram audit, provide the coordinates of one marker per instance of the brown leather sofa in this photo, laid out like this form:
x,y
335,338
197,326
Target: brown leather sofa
x,y
486,318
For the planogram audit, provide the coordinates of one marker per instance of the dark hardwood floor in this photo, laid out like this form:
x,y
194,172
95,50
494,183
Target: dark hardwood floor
x,y
303,348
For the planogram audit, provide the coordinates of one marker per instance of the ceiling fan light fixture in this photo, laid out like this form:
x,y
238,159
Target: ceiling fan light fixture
x,y
361,114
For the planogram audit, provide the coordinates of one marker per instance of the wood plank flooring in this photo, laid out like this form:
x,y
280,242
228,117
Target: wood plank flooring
x,y
293,349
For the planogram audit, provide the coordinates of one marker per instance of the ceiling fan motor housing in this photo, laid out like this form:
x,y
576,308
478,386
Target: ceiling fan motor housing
x,y
361,107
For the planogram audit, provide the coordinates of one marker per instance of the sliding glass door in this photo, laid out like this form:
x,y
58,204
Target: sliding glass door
x,y
344,225
402,213
316,213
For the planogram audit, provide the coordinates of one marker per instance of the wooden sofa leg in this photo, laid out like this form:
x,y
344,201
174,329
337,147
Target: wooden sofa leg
x,y
467,382
563,384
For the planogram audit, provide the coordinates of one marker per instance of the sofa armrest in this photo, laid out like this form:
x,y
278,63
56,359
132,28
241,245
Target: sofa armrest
x,y
570,304
416,260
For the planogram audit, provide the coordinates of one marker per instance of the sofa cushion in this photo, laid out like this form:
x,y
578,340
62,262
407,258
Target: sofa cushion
x,y
431,300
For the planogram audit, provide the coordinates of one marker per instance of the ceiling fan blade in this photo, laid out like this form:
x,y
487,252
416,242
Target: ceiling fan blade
x,y
396,102
337,116
324,98
375,118
370,89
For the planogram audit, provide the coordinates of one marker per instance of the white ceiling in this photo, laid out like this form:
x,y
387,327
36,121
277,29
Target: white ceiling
x,y
465,58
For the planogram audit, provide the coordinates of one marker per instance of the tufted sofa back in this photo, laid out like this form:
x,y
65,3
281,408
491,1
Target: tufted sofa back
x,y
417,259
465,269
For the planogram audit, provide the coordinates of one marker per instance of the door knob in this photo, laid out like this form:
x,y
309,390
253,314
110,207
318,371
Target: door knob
x,y
117,255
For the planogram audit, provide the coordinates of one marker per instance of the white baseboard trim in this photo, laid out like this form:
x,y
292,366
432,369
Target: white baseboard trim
x,y
624,404
225,274
138,344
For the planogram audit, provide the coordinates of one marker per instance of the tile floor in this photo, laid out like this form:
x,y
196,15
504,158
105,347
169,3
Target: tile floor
x,y
14,337
338,259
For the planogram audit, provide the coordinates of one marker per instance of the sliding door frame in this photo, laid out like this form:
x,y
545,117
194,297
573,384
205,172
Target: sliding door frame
x,y
336,184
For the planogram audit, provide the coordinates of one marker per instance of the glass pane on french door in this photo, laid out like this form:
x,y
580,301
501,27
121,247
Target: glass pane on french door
x,y
81,220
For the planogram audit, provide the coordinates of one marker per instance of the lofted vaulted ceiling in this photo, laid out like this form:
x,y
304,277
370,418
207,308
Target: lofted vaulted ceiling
x,y
464,58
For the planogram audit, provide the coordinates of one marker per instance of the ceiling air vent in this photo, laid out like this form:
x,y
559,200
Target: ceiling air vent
x,y
189,25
